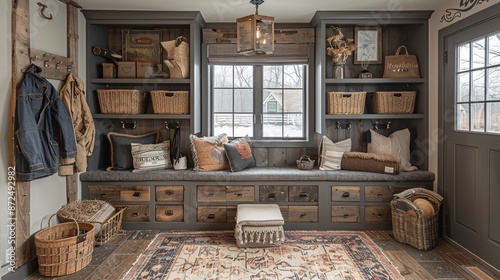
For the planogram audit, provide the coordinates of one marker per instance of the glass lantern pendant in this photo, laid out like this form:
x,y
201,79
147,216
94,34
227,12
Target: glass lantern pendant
x,y
255,33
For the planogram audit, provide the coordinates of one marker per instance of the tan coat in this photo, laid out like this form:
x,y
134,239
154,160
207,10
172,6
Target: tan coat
x,y
72,95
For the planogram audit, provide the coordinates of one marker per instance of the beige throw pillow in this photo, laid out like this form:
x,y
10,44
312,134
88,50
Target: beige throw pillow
x,y
331,153
396,144
151,156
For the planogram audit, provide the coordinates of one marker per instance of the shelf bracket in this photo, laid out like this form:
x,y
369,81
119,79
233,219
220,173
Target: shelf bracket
x,y
172,125
378,126
129,124
346,125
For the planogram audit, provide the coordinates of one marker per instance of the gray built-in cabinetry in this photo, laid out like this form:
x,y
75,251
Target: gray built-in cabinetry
x,y
105,29
308,199
398,28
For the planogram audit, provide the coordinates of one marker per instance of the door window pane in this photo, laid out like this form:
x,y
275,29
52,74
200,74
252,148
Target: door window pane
x,y
477,117
293,76
493,86
477,85
493,117
463,117
273,76
243,76
463,87
478,53
223,76
463,57
494,49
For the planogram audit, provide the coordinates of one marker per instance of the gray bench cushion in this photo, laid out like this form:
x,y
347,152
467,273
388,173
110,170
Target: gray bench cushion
x,y
255,174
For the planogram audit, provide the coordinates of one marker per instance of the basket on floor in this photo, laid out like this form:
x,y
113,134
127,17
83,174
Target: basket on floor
x,y
107,219
409,224
64,248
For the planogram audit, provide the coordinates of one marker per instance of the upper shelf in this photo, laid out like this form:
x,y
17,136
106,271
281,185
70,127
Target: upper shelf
x,y
374,116
376,81
142,116
140,81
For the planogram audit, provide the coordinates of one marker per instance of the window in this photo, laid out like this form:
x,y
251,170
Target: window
x,y
265,102
478,85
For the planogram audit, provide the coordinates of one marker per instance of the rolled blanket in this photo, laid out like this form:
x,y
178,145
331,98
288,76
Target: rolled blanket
x,y
370,162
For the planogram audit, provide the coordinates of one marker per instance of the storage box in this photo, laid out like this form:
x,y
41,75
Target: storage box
x,y
108,70
122,101
346,102
126,70
393,102
170,102
144,70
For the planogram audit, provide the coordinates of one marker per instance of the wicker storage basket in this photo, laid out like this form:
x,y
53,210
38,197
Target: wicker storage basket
x,y
409,226
346,102
305,163
122,101
106,223
170,102
393,102
64,248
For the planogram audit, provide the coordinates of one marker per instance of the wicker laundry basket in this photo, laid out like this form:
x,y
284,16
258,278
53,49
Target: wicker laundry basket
x,y
409,225
64,248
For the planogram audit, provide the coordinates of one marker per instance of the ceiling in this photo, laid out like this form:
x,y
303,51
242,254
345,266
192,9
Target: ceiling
x,y
284,11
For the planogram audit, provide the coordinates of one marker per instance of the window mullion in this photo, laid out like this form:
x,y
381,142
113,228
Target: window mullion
x,y
258,85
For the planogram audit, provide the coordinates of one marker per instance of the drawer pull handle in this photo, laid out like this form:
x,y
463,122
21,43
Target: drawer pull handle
x,y
239,194
211,216
303,215
104,194
137,194
271,195
210,194
346,194
302,194
346,215
380,215
379,194
169,192
169,213
135,214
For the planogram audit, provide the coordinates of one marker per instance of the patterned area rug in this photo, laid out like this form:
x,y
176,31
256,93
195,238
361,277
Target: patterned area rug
x,y
304,255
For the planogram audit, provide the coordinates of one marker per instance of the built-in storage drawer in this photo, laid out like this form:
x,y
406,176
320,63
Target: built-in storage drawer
x,y
273,193
378,193
346,193
169,213
303,193
212,214
119,193
345,214
303,214
135,213
170,193
378,213
225,193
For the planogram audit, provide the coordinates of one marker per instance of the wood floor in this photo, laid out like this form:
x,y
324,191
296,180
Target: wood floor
x,y
112,260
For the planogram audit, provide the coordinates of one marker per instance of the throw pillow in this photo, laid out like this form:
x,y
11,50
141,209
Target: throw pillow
x,y
121,153
239,153
208,152
330,157
151,156
396,144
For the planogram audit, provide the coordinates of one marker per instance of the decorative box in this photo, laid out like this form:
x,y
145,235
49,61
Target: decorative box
x,y
126,70
108,70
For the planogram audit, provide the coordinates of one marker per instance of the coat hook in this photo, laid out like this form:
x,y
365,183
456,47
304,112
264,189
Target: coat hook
x,y
69,67
344,125
42,11
58,65
129,124
377,125
33,58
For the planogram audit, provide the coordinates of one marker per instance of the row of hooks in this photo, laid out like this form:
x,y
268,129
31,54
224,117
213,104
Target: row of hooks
x,y
47,59
376,125
133,125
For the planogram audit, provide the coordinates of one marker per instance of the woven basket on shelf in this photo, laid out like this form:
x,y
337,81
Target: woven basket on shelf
x,y
122,101
64,248
393,102
409,225
346,102
170,102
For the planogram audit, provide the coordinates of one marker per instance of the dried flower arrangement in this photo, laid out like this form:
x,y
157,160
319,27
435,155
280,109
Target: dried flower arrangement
x,y
340,48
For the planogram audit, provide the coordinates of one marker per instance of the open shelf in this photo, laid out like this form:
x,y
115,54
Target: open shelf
x,y
375,116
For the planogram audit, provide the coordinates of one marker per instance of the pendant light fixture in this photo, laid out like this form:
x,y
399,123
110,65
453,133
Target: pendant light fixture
x,y
255,32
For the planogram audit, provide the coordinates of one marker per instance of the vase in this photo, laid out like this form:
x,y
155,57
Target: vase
x,y
340,71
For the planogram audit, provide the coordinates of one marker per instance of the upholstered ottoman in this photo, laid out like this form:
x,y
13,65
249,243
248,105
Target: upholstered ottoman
x,y
259,225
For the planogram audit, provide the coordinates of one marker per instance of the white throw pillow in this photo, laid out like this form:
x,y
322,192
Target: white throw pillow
x,y
151,156
397,144
331,153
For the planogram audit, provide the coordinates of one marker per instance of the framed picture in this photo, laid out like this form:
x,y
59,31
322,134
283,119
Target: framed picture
x,y
369,42
142,46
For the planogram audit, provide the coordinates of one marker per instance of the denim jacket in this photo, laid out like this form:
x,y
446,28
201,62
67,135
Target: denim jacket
x,y
43,128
